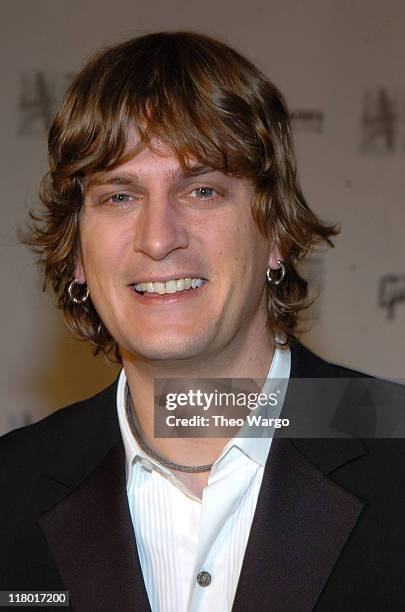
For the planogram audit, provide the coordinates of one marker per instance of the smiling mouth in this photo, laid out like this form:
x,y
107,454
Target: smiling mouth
x,y
169,287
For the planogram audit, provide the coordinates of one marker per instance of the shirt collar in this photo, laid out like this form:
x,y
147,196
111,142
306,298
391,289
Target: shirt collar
x,y
256,448
131,446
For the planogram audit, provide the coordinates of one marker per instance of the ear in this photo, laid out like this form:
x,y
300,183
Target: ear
x,y
275,257
79,270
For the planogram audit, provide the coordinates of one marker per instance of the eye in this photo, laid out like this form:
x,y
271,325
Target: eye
x,y
204,192
120,198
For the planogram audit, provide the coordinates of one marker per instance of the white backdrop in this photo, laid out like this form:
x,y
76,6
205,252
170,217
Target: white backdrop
x,y
340,64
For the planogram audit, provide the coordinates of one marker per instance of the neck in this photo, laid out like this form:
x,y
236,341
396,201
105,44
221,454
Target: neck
x,y
245,360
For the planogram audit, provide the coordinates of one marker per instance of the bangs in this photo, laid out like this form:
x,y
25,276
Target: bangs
x,y
202,110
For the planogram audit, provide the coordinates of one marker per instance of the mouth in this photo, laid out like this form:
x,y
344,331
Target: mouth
x,y
170,287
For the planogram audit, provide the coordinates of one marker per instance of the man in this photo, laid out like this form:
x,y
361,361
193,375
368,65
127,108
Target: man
x,y
172,227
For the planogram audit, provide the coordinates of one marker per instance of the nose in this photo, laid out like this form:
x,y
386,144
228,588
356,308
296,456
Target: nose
x,y
159,229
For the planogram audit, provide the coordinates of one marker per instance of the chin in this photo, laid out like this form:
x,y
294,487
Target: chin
x,y
168,348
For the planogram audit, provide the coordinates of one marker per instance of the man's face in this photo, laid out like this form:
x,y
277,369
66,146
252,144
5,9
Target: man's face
x,y
147,222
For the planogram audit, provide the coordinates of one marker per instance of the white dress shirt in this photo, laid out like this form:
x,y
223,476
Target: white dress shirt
x,y
178,535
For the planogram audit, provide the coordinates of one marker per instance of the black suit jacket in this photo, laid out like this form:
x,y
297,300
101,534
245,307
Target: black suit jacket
x,y
328,532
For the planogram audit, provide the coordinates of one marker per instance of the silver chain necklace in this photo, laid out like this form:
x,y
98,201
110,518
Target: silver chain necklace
x,y
151,453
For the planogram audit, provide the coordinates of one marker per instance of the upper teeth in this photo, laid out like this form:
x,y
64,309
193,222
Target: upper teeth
x,y
170,286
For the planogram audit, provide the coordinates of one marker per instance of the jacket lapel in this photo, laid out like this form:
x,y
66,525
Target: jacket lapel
x,y
303,519
91,536
301,525
84,514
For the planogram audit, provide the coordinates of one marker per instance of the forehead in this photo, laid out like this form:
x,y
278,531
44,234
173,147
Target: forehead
x,y
157,159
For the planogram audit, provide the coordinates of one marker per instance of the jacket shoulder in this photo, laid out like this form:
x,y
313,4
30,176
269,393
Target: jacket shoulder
x,y
29,446
306,364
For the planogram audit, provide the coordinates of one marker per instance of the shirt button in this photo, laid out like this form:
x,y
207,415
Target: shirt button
x,y
204,579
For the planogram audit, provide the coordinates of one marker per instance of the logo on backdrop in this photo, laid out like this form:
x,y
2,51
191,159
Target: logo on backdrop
x,y
391,293
307,120
40,96
382,119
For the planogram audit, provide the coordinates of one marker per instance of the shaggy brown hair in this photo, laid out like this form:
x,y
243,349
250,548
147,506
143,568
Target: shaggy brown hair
x,y
209,104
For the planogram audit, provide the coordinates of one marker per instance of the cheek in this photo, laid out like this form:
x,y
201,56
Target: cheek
x,y
250,249
102,249
241,256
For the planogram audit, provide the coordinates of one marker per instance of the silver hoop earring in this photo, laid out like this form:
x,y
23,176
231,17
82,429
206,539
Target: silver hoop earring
x,y
282,275
73,298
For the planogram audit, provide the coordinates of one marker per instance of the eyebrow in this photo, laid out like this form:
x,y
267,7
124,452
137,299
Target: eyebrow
x,y
132,178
